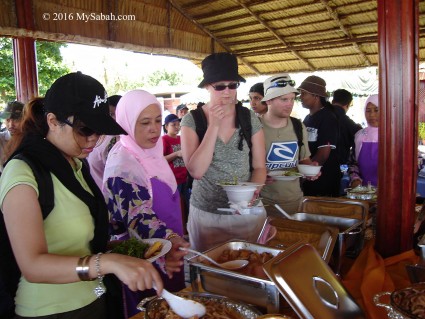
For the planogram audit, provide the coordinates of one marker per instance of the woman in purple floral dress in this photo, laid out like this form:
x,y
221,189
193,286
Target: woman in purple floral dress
x,y
140,188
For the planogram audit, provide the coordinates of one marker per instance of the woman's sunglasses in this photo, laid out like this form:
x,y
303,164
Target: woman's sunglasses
x,y
281,84
81,130
222,87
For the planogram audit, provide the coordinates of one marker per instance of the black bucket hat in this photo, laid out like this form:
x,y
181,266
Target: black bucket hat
x,y
220,67
84,97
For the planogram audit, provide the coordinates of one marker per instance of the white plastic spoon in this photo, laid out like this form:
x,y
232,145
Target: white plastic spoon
x,y
183,307
282,211
230,265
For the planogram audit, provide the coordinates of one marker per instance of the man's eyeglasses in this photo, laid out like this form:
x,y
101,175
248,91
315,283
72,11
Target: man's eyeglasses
x,y
81,130
281,84
222,87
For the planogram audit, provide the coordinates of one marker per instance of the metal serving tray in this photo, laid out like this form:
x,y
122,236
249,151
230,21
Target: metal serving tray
x,y
289,232
309,286
350,236
259,292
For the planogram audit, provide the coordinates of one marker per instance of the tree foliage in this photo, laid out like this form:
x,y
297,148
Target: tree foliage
x,y
160,76
50,66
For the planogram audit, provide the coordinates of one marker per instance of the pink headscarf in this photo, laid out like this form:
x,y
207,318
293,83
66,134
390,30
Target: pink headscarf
x,y
127,159
368,134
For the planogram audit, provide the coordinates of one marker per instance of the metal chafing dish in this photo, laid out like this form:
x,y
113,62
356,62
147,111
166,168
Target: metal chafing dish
x,y
290,232
154,305
309,285
350,236
259,292
406,303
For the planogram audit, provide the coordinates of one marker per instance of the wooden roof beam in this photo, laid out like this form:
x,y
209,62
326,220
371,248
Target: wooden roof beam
x,y
178,8
273,32
334,15
318,45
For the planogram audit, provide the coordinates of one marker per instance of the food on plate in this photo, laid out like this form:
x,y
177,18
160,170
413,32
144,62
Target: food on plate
x,y
234,182
136,248
411,300
256,261
284,173
153,250
215,310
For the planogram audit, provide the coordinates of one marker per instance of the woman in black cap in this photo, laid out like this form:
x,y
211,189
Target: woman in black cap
x,y
221,155
60,256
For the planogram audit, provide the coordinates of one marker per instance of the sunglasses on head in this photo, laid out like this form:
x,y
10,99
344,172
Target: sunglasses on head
x,y
222,87
81,130
281,84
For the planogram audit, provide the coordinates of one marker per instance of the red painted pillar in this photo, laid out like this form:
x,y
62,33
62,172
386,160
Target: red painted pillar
x,y
24,59
24,55
398,35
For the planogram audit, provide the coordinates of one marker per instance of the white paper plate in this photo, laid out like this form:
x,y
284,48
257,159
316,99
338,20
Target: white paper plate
x,y
277,175
166,246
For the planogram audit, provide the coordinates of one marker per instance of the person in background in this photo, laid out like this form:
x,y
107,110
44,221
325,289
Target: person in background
x,y
12,116
140,188
323,130
364,169
181,110
173,155
283,151
256,94
341,101
97,158
222,155
60,257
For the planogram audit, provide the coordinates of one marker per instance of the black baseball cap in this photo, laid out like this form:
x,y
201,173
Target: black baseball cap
x,y
85,98
181,107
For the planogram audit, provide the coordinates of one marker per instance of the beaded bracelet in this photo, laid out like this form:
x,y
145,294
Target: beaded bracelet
x,y
100,289
83,268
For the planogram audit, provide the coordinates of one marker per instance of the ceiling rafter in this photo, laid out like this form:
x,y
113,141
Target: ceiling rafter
x,y
334,15
277,36
318,45
177,7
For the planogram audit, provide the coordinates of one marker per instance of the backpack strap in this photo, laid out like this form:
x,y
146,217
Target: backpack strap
x,y
9,270
298,129
243,120
44,183
200,121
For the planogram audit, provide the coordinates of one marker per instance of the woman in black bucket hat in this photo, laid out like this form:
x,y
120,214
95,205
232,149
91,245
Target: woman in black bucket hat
x,y
222,154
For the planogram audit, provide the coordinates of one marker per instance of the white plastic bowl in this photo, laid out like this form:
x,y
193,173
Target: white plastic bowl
x,y
240,195
309,170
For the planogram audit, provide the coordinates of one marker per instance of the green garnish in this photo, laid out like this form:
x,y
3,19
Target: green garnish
x,y
131,247
234,182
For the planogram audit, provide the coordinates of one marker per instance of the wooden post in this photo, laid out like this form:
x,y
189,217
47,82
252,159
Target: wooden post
x,y
24,59
398,35
24,55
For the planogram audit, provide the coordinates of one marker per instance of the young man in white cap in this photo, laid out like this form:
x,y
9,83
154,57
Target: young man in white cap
x,y
286,145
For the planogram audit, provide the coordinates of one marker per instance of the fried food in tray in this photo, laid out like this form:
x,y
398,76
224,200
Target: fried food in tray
x,y
256,261
217,307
